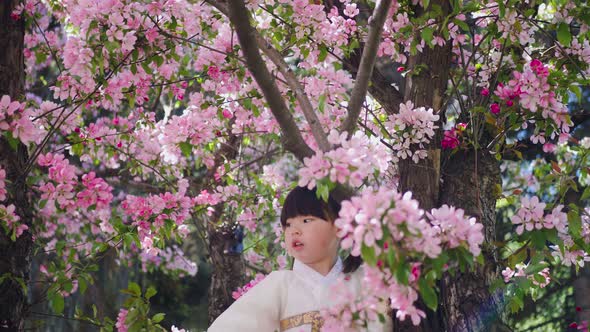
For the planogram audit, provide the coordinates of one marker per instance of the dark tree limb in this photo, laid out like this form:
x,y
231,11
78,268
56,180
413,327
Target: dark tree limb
x,y
381,86
15,256
311,117
291,138
366,66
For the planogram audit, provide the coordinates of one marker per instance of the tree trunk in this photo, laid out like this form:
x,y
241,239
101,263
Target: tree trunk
x,y
227,270
226,263
470,183
582,294
15,257
425,86
581,282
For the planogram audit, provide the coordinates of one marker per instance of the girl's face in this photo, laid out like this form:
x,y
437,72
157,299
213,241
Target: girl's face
x,y
312,241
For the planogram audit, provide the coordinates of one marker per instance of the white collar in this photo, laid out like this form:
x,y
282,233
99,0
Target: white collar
x,y
314,276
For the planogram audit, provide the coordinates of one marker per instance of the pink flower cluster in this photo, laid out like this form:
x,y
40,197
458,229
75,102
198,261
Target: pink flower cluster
x,y
67,273
570,257
15,118
534,93
380,290
451,137
531,215
520,271
63,179
121,317
350,313
382,218
364,219
171,260
244,289
411,129
150,213
351,162
97,192
10,221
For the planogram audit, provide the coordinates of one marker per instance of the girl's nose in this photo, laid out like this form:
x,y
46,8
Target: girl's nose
x,y
295,231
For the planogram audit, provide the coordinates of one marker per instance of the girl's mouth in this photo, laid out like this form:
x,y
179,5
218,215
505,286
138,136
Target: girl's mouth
x,y
297,245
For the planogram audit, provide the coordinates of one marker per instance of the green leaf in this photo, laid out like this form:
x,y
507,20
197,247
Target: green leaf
x,y
82,284
322,103
323,53
535,268
368,254
577,91
158,60
57,303
575,223
151,291
502,8
13,142
146,67
461,24
391,261
323,191
497,284
586,193
428,294
158,317
564,36
427,34
134,289
402,272
538,239
186,148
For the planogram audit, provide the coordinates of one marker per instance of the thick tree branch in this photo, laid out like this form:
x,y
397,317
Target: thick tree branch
x,y
291,135
308,112
306,107
366,66
381,87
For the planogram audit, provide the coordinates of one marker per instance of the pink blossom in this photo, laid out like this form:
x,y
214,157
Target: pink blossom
x,y
495,108
449,140
2,185
213,72
530,215
120,324
244,289
227,113
351,10
411,128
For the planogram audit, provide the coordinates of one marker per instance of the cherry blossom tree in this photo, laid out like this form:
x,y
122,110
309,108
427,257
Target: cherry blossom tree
x,y
142,124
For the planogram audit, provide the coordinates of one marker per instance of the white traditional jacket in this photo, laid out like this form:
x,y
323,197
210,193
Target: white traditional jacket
x,y
288,301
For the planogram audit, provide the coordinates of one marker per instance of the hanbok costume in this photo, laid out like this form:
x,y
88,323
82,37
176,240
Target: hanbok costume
x,y
289,301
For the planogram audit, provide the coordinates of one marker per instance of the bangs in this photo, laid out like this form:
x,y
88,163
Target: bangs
x,y
304,202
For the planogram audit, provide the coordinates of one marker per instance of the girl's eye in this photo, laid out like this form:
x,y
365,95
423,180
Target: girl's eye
x,y
287,225
306,221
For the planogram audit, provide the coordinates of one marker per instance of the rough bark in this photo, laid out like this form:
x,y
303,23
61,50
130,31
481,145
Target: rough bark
x,y
291,135
582,294
426,87
227,266
581,282
15,257
227,270
366,65
469,182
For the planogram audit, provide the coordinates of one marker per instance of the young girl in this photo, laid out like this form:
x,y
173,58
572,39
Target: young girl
x,y
291,300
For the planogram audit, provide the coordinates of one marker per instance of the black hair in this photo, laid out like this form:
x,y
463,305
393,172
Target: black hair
x,y
305,202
